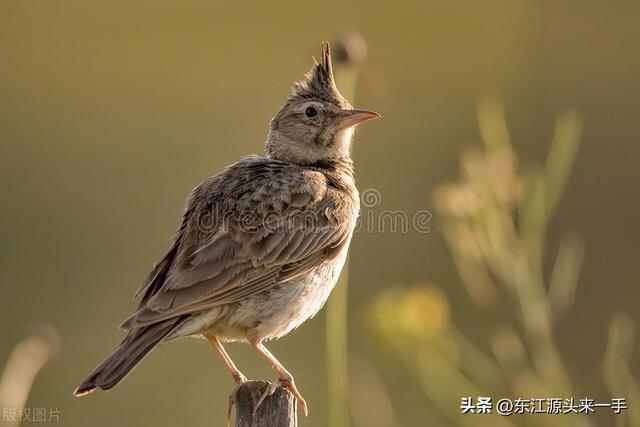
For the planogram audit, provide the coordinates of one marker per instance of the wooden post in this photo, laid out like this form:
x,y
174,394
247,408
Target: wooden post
x,y
277,410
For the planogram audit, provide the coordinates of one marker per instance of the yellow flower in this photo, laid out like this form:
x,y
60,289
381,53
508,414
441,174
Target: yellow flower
x,y
425,312
419,312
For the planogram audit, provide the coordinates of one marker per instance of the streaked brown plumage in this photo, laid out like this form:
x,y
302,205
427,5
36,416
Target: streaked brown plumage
x,y
261,243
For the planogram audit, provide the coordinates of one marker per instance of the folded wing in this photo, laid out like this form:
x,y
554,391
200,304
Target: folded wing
x,y
241,237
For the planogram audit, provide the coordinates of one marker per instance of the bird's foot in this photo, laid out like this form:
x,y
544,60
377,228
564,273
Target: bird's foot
x,y
288,384
239,380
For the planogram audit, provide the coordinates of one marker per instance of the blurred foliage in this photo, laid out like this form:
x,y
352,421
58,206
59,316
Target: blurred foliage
x,y
496,224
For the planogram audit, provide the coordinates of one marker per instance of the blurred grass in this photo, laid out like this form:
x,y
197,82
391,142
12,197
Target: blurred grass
x,y
617,372
25,362
496,222
349,56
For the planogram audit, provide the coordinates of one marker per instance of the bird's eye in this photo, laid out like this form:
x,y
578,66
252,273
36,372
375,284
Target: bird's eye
x,y
311,112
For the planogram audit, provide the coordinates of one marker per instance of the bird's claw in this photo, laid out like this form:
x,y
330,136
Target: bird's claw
x,y
287,384
291,386
240,379
271,388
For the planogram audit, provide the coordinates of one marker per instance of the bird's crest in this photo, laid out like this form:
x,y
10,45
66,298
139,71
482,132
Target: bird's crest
x,y
319,83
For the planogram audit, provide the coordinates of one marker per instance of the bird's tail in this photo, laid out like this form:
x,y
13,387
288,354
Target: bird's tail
x,y
136,345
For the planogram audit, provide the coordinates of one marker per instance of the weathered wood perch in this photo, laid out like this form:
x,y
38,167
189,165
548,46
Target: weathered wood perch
x,y
277,410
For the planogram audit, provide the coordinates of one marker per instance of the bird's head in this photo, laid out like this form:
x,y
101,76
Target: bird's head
x,y
316,123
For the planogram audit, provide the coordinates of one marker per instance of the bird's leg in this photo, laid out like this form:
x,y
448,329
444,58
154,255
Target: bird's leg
x,y
237,376
285,379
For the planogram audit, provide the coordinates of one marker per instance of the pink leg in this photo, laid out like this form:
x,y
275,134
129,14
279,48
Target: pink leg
x,y
237,376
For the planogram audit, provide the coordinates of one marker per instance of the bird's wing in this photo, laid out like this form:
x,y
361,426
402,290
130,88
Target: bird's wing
x,y
257,224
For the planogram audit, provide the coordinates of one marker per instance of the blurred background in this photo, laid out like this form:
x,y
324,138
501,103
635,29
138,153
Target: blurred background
x,y
513,124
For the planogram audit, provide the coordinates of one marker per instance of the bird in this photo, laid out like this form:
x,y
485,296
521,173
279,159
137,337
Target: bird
x,y
261,244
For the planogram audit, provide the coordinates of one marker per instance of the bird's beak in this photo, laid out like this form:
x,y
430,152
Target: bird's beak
x,y
350,118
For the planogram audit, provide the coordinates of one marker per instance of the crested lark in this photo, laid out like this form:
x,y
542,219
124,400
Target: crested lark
x,y
261,244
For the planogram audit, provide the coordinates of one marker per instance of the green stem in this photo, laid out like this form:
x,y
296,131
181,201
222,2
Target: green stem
x,y
337,364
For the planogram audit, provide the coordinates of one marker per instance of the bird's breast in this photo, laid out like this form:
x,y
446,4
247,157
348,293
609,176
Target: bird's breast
x,y
289,304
